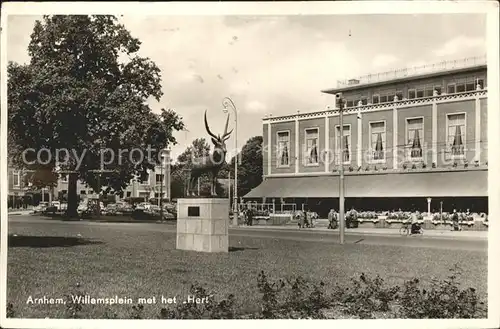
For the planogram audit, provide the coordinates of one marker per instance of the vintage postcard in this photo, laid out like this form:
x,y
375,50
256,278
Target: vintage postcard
x,y
256,161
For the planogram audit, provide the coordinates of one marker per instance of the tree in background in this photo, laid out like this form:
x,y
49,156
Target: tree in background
x,y
78,94
249,168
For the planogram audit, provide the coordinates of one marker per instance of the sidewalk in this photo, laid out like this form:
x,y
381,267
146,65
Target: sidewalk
x,y
380,231
17,212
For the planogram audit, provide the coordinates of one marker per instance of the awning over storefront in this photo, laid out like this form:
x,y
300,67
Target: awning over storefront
x,y
472,183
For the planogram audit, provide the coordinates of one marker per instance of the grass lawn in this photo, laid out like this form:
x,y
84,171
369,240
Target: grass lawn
x,y
135,263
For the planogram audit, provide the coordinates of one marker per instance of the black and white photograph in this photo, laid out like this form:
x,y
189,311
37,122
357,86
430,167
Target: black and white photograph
x,y
250,161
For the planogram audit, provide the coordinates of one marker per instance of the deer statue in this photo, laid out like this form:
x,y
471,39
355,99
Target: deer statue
x,y
212,163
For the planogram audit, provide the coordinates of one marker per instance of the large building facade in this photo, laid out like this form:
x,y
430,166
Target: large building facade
x,y
408,135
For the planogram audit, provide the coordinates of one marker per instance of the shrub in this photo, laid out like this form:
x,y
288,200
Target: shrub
x,y
270,292
304,299
224,309
137,311
367,296
444,300
291,299
10,313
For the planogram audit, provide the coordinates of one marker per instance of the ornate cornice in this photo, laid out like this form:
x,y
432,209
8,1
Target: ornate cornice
x,y
445,98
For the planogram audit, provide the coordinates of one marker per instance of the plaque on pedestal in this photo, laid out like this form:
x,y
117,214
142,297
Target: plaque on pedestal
x,y
203,224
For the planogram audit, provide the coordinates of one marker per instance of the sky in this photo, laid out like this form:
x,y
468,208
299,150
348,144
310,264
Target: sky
x,y
276,64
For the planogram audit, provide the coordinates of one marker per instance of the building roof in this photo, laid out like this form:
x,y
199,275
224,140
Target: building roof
x,y
473,183
414,73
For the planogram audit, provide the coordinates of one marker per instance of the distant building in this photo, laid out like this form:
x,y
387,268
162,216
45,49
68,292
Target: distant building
x,y
148,189
408,135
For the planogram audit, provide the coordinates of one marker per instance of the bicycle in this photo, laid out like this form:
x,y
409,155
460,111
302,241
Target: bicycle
x,y
405,230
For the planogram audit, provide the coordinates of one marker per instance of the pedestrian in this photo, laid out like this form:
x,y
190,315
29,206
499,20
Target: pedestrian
x,y
301,219
249,216
454,219
332,219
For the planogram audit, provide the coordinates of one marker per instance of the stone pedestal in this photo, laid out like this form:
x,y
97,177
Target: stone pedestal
x,y
203,224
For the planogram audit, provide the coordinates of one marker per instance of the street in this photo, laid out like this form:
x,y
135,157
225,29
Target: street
x,y
30,223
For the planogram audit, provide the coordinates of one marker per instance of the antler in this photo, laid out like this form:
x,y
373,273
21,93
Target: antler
x,y
226,134
208,129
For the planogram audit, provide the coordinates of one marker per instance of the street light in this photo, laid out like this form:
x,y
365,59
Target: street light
x,y
228,103
162,177
341,163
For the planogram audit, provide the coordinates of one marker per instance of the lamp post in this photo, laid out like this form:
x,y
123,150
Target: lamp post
x,y
341,169
228,103
162,177
429,206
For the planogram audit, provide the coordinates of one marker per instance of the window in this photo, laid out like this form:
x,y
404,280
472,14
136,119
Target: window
x,y
312,138
346,143
390,97
399,94
283,149
451,88
145,180
364,101
83,192
429,91
414,138
412,94
456,134
160,178
460,87
375,99
377,141
470,84
383,99
480,82
157,195
16,178
129,194
420,93
350,103
64,191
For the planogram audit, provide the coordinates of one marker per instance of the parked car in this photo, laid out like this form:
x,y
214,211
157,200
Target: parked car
x,y
42,206
110,210
124,208
87,208
56,204
143,206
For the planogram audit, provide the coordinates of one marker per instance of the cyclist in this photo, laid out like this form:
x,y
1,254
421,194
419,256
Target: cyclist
x,y
415,226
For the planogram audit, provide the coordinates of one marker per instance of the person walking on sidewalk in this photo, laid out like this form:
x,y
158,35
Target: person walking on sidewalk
x,y
332,219
454,219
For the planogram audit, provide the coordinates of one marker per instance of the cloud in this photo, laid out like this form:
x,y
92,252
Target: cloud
x,y
256,106
383,60
459,44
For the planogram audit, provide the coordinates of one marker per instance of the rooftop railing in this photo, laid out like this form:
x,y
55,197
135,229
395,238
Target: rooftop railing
x,y
414,71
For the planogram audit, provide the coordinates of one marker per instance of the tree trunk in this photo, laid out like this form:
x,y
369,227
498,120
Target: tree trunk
x,y
72,211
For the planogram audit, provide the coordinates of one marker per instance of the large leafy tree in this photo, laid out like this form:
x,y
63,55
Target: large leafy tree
x,y
86,90
249,166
